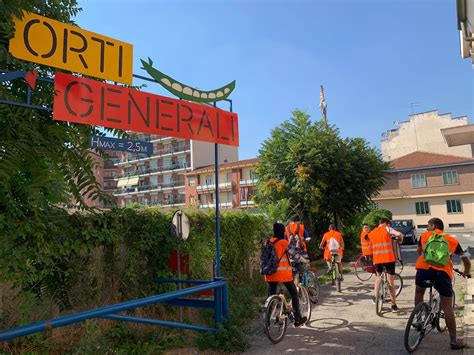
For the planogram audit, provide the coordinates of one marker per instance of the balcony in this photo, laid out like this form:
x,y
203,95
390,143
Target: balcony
x,y
249,203
208,187
148,171
249,182
168,202
150,187
134,157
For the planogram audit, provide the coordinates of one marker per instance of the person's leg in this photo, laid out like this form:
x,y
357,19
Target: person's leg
x,y
391,287
378,280
294,299
272,288
422,281
447,307
328,262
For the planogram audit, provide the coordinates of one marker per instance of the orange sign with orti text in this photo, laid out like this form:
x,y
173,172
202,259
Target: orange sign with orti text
x,y
45,41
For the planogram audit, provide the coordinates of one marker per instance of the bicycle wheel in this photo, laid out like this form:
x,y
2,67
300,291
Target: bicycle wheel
x,y
360,268
313,286
415,329
274,319
380,298
305,304
333,274
338,279
399,266
398,283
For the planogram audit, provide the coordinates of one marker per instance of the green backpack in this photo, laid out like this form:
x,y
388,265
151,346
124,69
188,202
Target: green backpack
x,y
437,250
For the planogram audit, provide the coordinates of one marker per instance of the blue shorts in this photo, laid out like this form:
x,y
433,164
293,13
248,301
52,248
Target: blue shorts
x,y
440,280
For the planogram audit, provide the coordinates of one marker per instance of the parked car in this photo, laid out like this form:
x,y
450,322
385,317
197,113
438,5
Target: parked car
x,y
407,228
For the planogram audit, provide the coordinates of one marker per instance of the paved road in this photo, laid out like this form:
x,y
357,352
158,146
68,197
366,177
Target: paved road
x,y
346,323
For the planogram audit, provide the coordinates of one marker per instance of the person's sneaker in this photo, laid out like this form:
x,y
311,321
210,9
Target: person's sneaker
x,y
394,308
457,345
373,300
328,272
300,322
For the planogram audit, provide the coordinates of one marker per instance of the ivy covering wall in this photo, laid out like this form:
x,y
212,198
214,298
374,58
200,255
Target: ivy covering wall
x,y
80,261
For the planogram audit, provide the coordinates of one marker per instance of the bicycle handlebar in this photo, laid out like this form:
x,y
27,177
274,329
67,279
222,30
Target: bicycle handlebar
x,y
460,273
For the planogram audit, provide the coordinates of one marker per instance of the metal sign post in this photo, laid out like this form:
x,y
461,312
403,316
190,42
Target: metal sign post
x,y
181,231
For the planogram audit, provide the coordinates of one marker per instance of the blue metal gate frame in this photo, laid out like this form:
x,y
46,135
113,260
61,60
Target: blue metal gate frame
x,y
220,301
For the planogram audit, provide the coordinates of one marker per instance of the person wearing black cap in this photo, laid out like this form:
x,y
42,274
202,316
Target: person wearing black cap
x,y
284,273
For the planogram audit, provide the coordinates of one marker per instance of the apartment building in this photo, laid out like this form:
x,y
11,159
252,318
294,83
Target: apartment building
x,y
110,171
422,185
424,132
237,185
159,179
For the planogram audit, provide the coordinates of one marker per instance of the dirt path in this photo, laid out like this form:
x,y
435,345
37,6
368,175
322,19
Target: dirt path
x,y
346,323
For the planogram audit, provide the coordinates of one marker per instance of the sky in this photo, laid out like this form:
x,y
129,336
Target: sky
x,y
375,58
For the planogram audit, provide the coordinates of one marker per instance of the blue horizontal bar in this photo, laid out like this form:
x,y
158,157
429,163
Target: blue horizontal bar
x,y
159,322
22,104
186,302
102,311
184,281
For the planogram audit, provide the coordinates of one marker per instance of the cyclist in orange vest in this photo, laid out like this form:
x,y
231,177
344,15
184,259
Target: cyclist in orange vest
x,y
297,229
440,276
284,273
332,233
383,256
365,241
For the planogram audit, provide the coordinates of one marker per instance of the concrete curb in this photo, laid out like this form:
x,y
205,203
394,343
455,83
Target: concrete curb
x,y
469,316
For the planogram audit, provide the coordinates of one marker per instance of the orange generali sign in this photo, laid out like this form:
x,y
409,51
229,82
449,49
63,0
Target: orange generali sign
x,y
45,41
93,102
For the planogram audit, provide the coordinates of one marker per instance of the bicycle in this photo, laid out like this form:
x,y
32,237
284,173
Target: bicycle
x,y
307,276
384,292
336,276
423,319
277,311
364,268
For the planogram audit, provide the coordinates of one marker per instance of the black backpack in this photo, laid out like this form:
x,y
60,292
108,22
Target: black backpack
x,y
269,260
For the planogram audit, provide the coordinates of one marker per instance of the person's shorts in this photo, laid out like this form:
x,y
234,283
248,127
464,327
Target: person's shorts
x,y
337,257
389,267
439,279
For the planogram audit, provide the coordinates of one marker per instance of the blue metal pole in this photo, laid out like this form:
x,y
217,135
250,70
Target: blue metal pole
x,y
159,322
103,311
218,242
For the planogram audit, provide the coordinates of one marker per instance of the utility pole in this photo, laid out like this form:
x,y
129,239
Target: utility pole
x,y
323,106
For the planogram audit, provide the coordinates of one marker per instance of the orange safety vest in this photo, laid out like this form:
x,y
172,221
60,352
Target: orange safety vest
x,y
452,245
327,236
382,248
291,230
365,243
284,272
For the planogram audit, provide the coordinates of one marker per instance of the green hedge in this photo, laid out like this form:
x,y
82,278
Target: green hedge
x,y
81,261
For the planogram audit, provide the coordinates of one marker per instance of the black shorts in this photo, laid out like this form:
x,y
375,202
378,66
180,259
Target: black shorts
x,y
439,279
389,267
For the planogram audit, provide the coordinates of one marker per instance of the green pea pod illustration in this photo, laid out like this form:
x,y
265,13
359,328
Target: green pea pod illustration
x,y
187,92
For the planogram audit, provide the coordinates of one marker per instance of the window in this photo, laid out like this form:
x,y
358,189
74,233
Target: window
x,y
422,226
456,225
191,181
454,206
229,196
450,177
418,180
229,177
422,207
208,179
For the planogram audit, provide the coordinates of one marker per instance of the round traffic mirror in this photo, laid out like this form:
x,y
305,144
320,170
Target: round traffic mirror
x,y
181,227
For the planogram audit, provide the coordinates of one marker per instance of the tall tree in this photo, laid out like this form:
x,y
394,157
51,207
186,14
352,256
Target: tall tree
x,y
321,175
42,162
